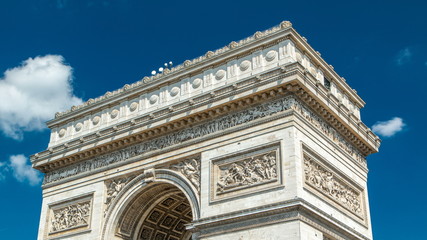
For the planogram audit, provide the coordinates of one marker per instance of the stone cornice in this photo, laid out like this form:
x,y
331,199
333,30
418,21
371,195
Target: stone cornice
x,y
136,130
330,108
295,209
258,41
188,68
315,55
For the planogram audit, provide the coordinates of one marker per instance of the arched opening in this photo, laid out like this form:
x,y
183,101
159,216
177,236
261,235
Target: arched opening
x,y
158,209
166,219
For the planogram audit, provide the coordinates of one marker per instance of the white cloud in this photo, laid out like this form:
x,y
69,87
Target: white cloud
x,y
388,128
403,56
3,169
30,94
22,170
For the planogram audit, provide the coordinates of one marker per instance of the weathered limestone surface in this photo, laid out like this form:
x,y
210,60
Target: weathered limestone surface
x,y
258,140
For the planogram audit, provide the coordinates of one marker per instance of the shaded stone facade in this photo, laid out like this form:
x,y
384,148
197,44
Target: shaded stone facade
x,y
260,139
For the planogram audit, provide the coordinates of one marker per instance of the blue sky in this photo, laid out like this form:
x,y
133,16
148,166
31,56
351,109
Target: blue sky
x,y
380,47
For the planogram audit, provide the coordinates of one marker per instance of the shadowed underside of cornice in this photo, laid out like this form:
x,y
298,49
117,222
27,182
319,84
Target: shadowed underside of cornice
x,y
289,79
211,59
359,140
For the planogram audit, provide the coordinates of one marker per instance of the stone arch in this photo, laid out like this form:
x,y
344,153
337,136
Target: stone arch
x,y
130,209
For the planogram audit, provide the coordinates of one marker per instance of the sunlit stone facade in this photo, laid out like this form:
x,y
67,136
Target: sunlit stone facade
x,y
260,139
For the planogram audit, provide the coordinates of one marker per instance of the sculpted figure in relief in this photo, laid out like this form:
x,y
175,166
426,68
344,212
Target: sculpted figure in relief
x,y
256,169
190,168
72,216
228,121
113,189
326,182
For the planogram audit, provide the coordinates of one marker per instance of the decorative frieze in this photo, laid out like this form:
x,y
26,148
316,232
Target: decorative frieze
x,y
181,136
190,168
70,216
274,52
240,173
219,124
330,132
114,187
329,183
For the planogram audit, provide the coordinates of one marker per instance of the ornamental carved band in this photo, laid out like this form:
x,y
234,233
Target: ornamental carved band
x,y
70,217
202,130
328,183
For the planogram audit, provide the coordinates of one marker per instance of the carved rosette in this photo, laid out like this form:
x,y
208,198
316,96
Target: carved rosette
x,y
70,216
333,186
190,168
114,187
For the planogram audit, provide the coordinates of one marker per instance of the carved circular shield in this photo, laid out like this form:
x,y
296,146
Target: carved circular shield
x,y
196,83
220,74
62,132
96,120
244,65
78,127
174,91
133,106
153,99
114,113
270,56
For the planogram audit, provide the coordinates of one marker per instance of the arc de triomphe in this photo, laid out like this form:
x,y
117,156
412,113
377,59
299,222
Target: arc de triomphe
x,y
260,139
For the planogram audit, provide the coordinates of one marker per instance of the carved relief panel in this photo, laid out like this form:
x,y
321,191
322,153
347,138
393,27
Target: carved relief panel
x,y
190,168
245,172
70,217
113,188
319,178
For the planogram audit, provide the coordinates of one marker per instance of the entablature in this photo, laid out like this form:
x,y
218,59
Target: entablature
x,y
278,46
243,74
291,80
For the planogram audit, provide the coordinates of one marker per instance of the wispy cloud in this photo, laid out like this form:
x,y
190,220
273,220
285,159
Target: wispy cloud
x,y
30,94
67,4
389,128
3,169
60,4
403,56
22,170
